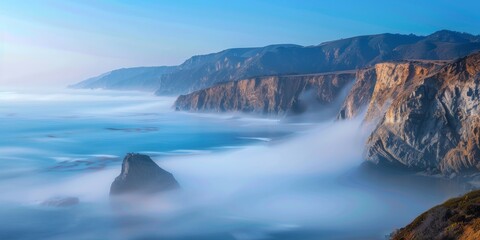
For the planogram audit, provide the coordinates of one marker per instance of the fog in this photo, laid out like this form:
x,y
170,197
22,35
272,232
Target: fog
x,y
241,177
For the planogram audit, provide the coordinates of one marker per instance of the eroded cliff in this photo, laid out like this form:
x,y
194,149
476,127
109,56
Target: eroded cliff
x,y
271,95
432,124
375,87
360,95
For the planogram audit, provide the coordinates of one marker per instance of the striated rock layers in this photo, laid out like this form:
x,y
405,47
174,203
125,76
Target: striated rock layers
x,y
431,122
457,218
375,87
424,113
271,95
140,174
360,94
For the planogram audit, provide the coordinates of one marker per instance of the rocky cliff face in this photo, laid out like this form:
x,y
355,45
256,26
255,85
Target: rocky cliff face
x,y
375,87
393,79
432,122
204,71
458,218
272,95
360,95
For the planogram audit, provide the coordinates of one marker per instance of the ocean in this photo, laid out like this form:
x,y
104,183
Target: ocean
x,y
241,177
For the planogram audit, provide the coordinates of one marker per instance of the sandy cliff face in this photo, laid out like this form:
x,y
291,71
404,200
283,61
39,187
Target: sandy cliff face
x,y
272,95
432,123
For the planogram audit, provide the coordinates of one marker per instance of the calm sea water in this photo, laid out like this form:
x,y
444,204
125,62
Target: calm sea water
x,y
241,177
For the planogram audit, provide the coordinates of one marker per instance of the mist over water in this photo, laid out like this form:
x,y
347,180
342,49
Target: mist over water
x,y
241,178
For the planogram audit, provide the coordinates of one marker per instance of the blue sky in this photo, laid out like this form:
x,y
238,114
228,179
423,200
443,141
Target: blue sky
x,y
61,42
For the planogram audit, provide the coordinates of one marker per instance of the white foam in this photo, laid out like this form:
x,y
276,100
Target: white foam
x,y
262,139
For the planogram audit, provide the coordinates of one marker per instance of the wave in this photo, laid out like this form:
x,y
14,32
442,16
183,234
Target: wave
x,y
262,139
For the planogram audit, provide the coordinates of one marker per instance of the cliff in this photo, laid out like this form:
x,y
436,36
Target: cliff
x,y
375,87
457,218
204,71
360,95
432,122
271,95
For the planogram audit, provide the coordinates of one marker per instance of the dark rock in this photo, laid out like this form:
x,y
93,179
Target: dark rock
x,y
61,202
140,174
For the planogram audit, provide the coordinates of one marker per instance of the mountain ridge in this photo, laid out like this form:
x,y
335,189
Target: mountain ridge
x,y
201,71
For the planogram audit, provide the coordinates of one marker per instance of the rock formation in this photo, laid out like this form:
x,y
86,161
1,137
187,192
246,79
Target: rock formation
x,y
272,95
140,174
457,218
433,123
360,95
375,87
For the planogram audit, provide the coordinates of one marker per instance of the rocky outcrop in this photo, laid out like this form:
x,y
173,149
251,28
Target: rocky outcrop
x,y
433,123
457,218
140,174
272,95
392,80
353,53
375,87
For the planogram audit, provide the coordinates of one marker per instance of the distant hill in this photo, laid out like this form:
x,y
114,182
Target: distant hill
x,y
203,71
138,78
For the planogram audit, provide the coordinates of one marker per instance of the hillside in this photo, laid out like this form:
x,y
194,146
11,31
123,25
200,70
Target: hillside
x,y
203,71
457,218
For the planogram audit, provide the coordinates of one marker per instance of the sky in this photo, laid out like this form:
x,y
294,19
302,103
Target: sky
x,y
57,43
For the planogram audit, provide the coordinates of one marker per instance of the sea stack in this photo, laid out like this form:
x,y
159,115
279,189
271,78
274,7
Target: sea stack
x,y
141,175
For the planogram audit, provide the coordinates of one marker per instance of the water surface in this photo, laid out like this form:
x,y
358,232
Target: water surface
x,y
241,177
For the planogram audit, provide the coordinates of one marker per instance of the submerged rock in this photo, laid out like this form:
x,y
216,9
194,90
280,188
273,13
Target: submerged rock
x,y
457,218
61,202
140,174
